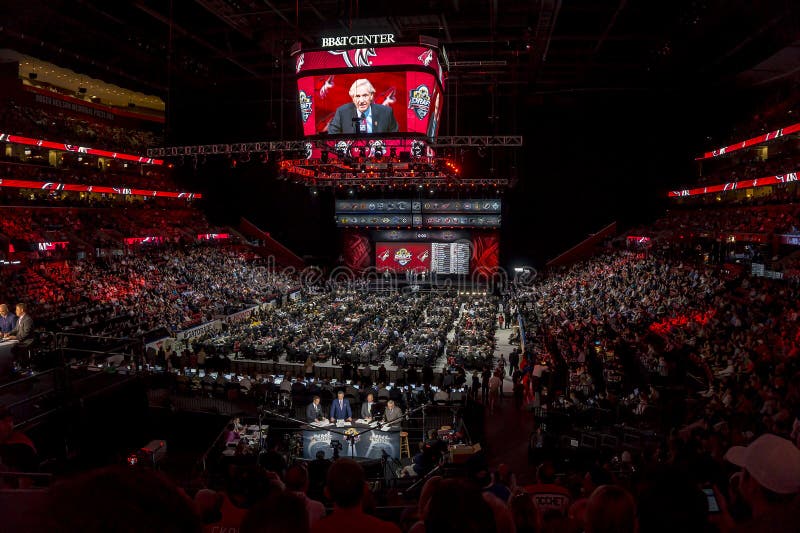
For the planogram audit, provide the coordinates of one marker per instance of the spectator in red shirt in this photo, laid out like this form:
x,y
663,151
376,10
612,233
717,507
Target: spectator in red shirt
x,y
346,486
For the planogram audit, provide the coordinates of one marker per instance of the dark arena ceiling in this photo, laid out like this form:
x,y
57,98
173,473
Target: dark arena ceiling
x,y
538,45
502,52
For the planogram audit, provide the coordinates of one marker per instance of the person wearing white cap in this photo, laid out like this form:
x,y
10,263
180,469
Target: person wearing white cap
x,y
770,480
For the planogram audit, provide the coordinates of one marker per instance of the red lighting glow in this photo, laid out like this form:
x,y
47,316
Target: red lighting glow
x,y
750,142
40,143
734,185
73,187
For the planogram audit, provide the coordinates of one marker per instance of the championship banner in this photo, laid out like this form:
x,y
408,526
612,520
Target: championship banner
x,y
202,329
240,316
789,239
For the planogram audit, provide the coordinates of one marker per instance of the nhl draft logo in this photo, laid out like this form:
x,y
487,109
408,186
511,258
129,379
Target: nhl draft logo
x,y
305,105
402,256
352,434
419,100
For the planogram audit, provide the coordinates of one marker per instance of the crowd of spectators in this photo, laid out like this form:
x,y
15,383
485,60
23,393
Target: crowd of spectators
x,y
763,219
355,327
625,326
174,286
149,177
102,228
19,119
278,497
743,168
781,112
473,342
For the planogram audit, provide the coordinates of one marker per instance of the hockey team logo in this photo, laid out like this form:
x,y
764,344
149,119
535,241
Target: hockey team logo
x,y
384,256
377,148
419,100
73,148
298,66
305,105
326,86
426,57
356,57
423,256
342,148
402,257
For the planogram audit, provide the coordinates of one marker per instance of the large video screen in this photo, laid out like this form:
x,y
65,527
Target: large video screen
x,y
438,257
404,213
370,91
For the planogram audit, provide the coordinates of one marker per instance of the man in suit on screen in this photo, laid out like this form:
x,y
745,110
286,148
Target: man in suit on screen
x,y
363,116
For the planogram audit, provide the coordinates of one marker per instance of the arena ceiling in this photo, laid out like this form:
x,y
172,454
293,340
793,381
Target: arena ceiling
x,y
539,46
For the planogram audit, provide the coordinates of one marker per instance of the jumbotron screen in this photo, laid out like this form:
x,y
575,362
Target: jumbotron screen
x,y
365,91
430,213
437,257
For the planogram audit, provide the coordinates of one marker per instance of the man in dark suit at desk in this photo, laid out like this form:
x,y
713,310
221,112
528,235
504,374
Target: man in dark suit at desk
x,y
368,407
24,329
340,408
7,321
363,116
23,333
314,410
392,415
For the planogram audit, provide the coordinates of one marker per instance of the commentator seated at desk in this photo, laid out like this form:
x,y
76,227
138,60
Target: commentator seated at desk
x,y
369,407
363,116
23,331
314,410
393,414
340,408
